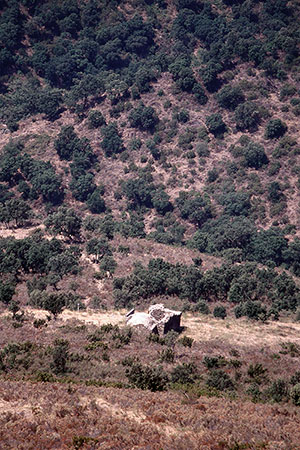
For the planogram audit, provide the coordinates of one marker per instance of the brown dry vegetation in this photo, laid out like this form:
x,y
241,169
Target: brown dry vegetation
x,y
47,416
35,415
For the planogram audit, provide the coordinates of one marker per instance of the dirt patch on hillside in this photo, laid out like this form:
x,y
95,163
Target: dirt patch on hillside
x,y
20,233
92,317
241,332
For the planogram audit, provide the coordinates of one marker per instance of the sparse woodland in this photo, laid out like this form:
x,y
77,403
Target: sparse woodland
x,y
150,152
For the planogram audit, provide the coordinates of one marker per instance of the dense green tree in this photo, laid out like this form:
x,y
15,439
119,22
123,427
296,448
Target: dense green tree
x,y
10,162
63,264
28,255
230,97
50,102
138,192
209,75
83,186
143,117
252,310
65,222
199,93
90,14
16,210
183,116
65,65
183,74
143,77
275,193
275,128
292,256
89,86
134,227
60,354
215,125
5,194
99,248
268,245
161,200
224,233
107,226
46,182
96,202
7,291
220,312
67,142
236,203
95,119
247,116
255,156
112,142
194,207
24,189
83,160
54,302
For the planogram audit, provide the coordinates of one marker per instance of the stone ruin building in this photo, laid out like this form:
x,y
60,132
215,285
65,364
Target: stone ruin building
x,y
158,320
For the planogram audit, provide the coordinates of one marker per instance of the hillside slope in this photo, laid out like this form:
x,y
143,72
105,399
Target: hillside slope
x,y
149,152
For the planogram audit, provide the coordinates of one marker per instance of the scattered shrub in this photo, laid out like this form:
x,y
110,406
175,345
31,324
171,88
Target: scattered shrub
x,y
230,97
257,372
95,119
186,341
278,391
146,377
275,128
220,380
255,155
220,312
214,362
215,125
185,373
295,394
167,355
247,116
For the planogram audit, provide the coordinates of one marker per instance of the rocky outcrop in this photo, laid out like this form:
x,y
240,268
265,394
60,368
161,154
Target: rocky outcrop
x,y
158,319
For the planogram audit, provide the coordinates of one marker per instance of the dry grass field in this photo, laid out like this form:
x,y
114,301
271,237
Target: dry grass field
x,y
50,416
71,414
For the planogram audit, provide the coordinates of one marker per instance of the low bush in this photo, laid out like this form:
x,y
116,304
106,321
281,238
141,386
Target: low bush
x,y
185,373
278,391
95,119
257,373
186,341
275,128
214,362
146,377
220,312
220,380
295,394
167,355
215,125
